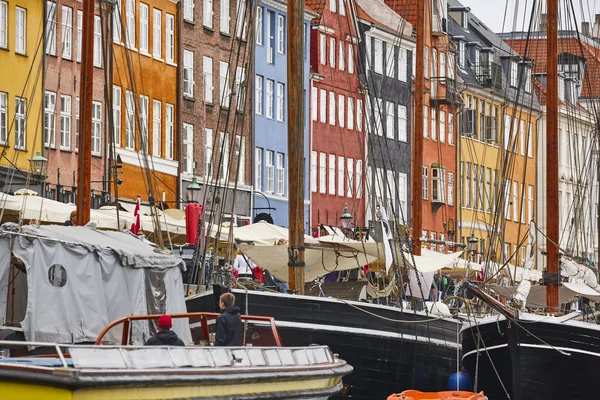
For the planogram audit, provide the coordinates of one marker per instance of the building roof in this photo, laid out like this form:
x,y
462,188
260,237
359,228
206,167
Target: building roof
x,y
316,6
568,42
406,8
378,12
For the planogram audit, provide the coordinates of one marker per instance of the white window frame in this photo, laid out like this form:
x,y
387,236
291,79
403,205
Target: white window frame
x,y
332,108
207,71
425,178
450,128
65,122
280,184
350,124
390,116
130,23
515,201
350,58
156,127
269,171
21,31
358,180
322,105
3,24
530,141
438,186
259,95
259,167
403,195
341,176
224,17
270,56
224,167
224,88
259,25
322,173
79,34
170,38
322,49
333,5
314,168
378,56
359,115
402,65
143,104
96,128
433,123
116,107
3,117
269,98
314,103
514,74
188,74
144,23
188,148
280,34
188,10
49,119
169,130
50,28
280,101
390,62
425,122
332,51
240,77
442,126
117,27
157,33
207,13
67,32
129,120
342,56
350,181
341,110
450,188
97,42
240,154
332,174
402,123
77,124
208,153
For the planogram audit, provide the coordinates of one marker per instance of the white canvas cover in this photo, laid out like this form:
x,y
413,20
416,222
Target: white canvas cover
x,y
80,279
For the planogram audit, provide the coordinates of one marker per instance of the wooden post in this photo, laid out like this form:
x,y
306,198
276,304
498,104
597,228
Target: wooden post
x,y
552,265
417,181
295,71
86,85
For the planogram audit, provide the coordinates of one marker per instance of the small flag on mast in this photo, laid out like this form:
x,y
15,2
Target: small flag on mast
x,y
387,236
137,224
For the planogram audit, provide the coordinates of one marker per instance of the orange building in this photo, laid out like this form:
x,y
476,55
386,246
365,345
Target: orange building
x,y
144,98
442,100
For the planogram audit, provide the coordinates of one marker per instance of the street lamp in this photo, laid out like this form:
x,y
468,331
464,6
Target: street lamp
x,y
192,188
346,218
37,165
472,243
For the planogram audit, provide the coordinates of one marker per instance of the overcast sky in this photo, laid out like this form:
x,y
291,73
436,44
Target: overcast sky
x,y
492,12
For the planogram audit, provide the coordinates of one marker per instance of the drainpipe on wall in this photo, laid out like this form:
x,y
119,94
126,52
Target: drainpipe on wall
x,y
178,104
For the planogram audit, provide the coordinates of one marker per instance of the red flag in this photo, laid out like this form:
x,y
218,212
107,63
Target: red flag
x,y
137,224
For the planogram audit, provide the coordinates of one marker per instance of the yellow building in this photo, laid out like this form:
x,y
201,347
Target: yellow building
x,y
21,89
496,155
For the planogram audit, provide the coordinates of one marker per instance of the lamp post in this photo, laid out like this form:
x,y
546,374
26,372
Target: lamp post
x,y
472,243
37,167
192,188
346,219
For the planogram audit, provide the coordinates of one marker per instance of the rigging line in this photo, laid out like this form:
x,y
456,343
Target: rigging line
x,y
423,321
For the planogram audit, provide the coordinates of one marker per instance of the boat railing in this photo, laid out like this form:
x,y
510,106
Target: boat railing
x,y
204,317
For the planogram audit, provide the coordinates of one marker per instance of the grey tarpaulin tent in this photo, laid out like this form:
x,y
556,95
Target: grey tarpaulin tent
x,y
79,279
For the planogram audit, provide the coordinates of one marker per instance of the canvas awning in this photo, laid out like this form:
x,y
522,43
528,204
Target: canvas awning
x,y
537,296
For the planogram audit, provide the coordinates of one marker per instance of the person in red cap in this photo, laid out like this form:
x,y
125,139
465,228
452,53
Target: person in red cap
x,y
165,336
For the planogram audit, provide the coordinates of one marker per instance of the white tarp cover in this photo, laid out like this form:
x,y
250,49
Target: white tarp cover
x,y
537,296
260,234
80,279
492,269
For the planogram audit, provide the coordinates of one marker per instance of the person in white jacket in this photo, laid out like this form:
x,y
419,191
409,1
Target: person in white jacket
x,y
243,265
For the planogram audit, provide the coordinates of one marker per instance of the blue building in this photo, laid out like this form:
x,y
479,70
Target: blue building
x,y
271,113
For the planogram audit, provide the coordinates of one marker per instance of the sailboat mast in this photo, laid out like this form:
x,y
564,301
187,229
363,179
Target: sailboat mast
x,y
552,265
295,71
417,182
86,85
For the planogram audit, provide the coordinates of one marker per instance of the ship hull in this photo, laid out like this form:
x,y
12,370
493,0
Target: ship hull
x,y
541,357
387,356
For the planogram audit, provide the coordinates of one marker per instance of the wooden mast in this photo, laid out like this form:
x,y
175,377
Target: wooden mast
x,y
295,72
552,265
85,121
417,181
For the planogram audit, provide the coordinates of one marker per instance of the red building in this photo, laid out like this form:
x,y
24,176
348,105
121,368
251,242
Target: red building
x,y
336,117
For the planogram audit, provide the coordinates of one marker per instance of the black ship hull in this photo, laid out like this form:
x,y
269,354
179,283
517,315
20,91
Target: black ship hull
x,y
538,358
387,356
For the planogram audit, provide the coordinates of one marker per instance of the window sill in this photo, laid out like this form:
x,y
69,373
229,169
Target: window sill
x,y
172,64
146,54
188,97
208,28
20,149
226,34
96,154
189,22
4,48
67,58
67,149
21,54
131,48
158,58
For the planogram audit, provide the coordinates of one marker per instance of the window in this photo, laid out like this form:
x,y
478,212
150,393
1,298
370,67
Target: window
x,y
506,132
323,106
341,110
3,114
332,174
224,158
438,187
280,34
79,34
333,5
390,63
240,77
467,185
97,42
129,121
96,127
342,56
270,172
170,38
258,156
188,148
425,61
77,124
188,73
3,24
442,126
488,189
50,27
450,129
144,123
280,101
169,131
270,35
207,13
259,25
322,172
389,120
188,10
530,202
341,187
65,122
67,32
269,98
313,171
402,65
350,169
224,16
442,64
240,154
433,124
402,123
331,108
117,26
433,237
207,72
514,72
332,52
522,137
241,21
527,80
342,7
21,31
157,127
359,114
461,53
259,95
425,121
280,175
425,177
350,58
350,113
451,65
322,48
358,180
450,188
130,22
515,203
530,141
378,54
314,94
49,120
522,205
403,195
157,34
224,90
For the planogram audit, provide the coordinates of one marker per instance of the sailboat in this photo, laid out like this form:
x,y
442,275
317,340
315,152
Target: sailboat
x,y
519,354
